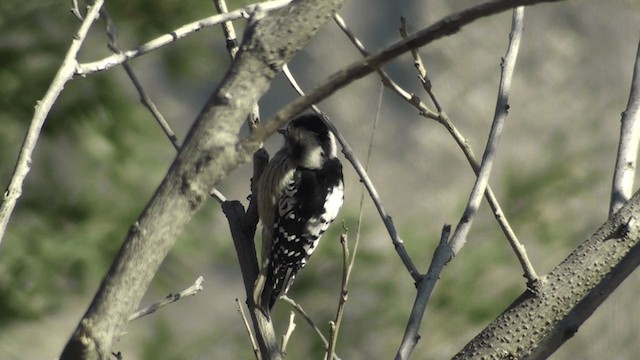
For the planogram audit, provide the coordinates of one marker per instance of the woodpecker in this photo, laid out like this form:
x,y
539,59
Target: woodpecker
x,y
300,193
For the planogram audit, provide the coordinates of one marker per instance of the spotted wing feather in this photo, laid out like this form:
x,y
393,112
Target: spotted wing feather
x,y
306,208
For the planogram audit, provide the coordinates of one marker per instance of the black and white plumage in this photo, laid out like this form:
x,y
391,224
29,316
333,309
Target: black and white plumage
x,y
300,194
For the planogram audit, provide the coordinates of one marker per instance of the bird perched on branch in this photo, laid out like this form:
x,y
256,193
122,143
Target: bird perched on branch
x,y
300,193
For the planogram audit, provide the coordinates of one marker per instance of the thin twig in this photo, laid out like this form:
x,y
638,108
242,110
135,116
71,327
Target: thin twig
x,y
247,327
386,80
348,267
335,324
350,156
502,107
171,298
144,98
425,287
447,249
309,321
625,169
287,335
419,65
188,29
64,74
227,29
516,245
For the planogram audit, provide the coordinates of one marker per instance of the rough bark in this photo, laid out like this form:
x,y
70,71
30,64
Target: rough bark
x,y
208,154
538,323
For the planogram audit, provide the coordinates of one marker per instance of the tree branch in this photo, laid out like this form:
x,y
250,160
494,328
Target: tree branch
x,y
447,249
459,236
207,155
64,74
171,298
179,33
445,27
625,168
537,324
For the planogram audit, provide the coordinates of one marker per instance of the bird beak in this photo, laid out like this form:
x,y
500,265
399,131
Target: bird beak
x,y
282,132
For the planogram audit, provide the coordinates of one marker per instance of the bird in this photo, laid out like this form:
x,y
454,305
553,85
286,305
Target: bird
x,y
300,193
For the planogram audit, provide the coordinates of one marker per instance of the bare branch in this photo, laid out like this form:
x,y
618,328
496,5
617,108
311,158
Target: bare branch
x,y
179,33
537,324
447,249
386,80
419,65
227,29
171,298
287,335
502,106
441,257
335,324
254,345
443,119
64,74
309,321
253,119
208,154
625,169
144,98
349,262
361,68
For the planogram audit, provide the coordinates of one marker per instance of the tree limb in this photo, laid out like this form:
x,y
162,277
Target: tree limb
x,y
625,168
207,155
64,74
447,249
179,33
536,325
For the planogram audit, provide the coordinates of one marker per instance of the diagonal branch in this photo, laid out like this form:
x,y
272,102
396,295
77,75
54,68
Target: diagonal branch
x,y
445,27
207,155
179,33
628,145
447,249
169,299
519,249
65,73
502,108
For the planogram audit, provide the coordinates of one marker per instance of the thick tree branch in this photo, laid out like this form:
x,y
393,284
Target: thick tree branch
x,y
625,169
207,155
211,150
537,324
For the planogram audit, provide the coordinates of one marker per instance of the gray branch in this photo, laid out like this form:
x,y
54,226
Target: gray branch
x,y
537,324
64,74
628,145
179,33
207,155
446,250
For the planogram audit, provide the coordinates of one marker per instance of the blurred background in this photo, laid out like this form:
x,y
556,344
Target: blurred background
x,y
101,156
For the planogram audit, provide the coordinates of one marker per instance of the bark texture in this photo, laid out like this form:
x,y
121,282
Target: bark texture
x,y
539,322
208,155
